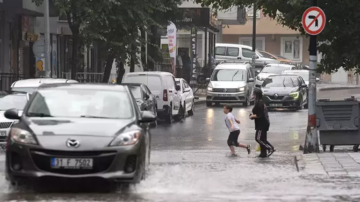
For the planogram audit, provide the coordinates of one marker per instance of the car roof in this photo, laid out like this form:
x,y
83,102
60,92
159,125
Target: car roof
x,y
283,75
132,84
279,65
243,66
295,71
149,73
233,45
37,82
79,86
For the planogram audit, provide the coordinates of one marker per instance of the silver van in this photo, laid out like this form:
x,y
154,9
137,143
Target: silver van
x,y
230,83
30,85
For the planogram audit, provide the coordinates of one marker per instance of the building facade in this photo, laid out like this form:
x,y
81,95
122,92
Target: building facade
x,y
270,36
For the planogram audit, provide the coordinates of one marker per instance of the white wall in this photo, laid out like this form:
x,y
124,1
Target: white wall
x,y
341,76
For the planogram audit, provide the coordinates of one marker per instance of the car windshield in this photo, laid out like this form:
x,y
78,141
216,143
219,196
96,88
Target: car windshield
x,y
17,101
280,81
76,103
229,75
136,91
152,82
304,75
274,69
24,89
266,55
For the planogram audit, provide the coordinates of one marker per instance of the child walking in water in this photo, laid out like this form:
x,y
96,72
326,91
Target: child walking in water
x,y
232,124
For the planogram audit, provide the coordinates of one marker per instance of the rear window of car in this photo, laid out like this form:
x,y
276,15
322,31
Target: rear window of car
x,y
153,82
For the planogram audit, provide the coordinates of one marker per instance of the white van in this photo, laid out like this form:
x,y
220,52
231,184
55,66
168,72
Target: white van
x,y
225,51
30,85
165,89
230,83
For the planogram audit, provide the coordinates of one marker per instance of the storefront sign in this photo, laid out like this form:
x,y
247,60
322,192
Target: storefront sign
x,y
193,55
31,37
195,17
171,34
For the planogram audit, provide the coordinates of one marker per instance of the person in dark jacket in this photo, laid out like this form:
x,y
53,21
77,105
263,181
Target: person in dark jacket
x,y
262,124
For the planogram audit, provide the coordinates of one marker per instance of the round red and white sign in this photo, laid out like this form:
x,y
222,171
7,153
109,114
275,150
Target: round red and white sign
x,y
313,20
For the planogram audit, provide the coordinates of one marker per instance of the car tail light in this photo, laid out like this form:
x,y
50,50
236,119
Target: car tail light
x,y
165,95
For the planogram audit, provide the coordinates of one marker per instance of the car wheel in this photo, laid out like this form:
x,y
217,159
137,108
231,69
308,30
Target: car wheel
x,y
168,118
247,102
155,123
208,104
140,170
191,111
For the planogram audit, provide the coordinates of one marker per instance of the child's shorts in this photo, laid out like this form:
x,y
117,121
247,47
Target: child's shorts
x,y
233,138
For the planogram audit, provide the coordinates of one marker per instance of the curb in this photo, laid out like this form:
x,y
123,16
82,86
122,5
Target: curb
x,y
299,162
338,88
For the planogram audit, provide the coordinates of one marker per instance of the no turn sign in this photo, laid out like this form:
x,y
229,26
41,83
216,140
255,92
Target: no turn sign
x,y
313,20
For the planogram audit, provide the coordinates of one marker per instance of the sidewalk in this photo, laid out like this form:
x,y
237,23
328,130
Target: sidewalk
x,y
334,86
344,164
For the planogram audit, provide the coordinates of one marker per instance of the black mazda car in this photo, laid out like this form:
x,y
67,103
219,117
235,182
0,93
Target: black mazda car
x,y
79,131
285,91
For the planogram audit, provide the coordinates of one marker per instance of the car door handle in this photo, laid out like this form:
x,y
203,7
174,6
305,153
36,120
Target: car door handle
x,y
170,91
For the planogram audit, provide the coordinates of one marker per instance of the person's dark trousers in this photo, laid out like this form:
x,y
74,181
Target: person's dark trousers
x,y
261,138
186,74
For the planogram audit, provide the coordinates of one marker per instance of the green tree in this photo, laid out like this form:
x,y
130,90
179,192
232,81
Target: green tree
x,y
341,42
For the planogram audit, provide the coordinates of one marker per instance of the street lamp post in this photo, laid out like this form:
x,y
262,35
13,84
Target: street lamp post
x,y
254,39
47,40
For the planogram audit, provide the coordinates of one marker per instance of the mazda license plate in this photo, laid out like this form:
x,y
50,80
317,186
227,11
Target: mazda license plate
x,y
276,105
2,132
72,163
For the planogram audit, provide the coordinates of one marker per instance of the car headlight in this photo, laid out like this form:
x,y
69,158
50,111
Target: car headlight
x,y
294,95
259,78
210,87
22,136
127,138
242,89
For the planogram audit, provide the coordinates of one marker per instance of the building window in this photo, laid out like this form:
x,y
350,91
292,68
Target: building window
x,y
291,48
250,12
260,42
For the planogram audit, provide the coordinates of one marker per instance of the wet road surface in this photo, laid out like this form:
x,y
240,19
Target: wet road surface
x,y
190,162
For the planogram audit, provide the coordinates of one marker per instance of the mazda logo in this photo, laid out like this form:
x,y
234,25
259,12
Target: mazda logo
x,y
225,90
72,143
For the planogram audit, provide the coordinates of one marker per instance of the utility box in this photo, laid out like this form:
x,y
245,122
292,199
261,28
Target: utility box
x,y
338,122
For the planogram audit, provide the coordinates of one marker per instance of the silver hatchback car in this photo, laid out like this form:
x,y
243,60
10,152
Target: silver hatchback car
x,y
230,83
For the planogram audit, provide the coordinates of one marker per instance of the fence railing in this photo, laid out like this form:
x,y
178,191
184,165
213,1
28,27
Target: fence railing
x,y
6,79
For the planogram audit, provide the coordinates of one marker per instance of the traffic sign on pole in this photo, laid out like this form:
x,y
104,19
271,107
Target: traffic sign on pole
x,y
313,20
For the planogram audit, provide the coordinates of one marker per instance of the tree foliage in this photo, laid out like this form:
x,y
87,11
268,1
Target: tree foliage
x,y
340,40
117,24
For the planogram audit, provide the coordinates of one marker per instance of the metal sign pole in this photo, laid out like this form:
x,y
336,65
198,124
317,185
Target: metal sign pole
x,y
254,39
47,40
312,140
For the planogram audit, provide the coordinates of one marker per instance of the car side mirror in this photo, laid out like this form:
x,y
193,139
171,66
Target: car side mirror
x,y
147,117
207,79
146,97
12,114
251,80
257,71
304,86
257,57
317,79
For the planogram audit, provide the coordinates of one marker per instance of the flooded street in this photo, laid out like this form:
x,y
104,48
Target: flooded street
x,y
190,161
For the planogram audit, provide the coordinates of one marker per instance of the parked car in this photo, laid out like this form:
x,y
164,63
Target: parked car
x,y
231,52
163,86
303,73
30,85
279,58
285,91
271,69
3,93
143,97
11,101
79,130
187,97
230,83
